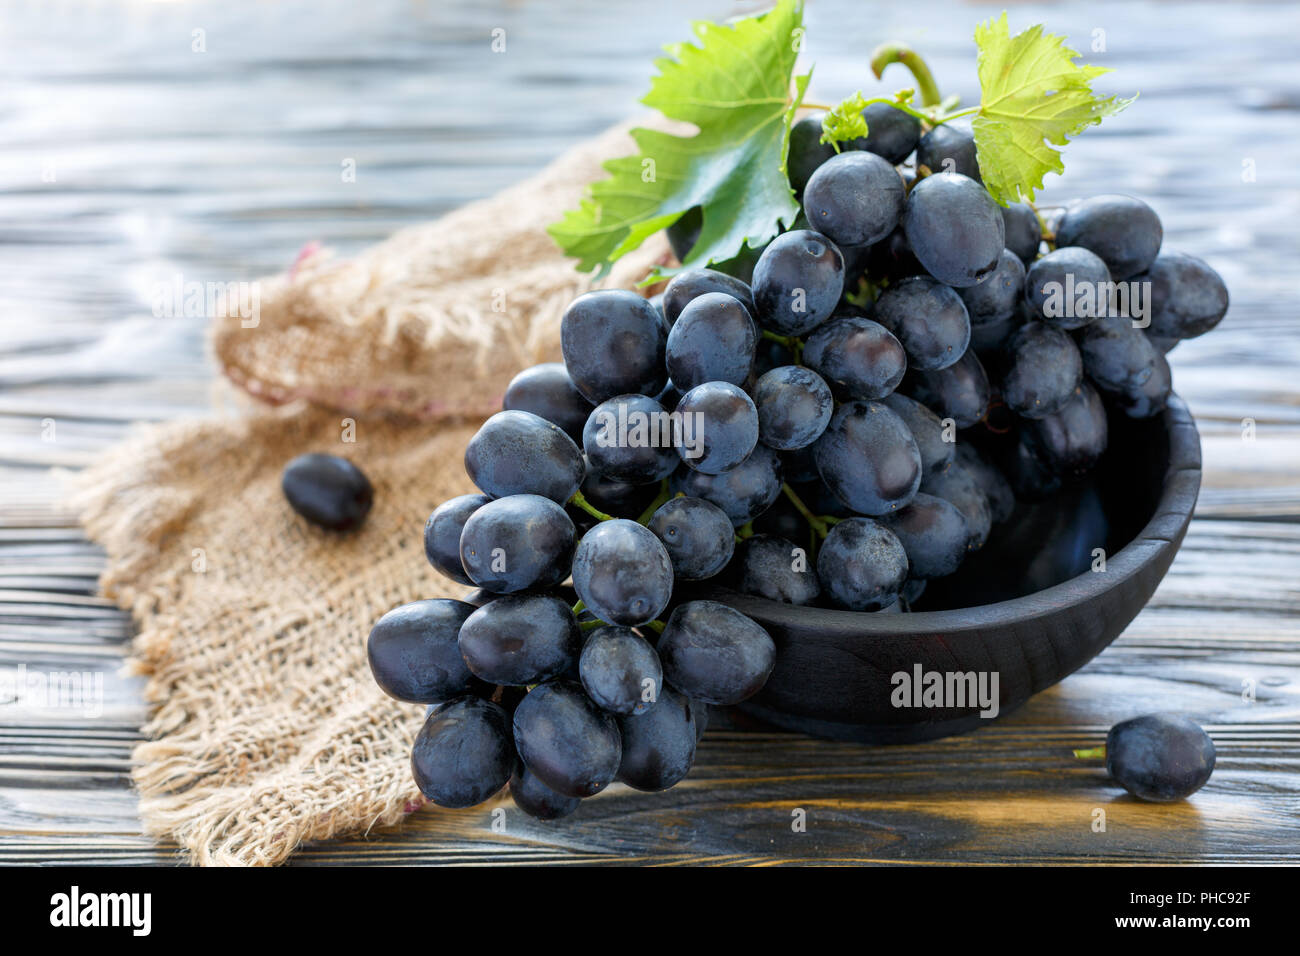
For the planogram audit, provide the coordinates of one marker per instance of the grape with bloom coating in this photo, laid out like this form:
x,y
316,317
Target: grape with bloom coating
x,y
713,340
744,492
613,344
797,282
515,543
794,406
463,753
697,535
954,228
414,655
862,565
620,670
572,746
725,422
714,653
659,745
929,319
622,572
854,199
547,391
519,453
442,534
858,358
520,639
868,458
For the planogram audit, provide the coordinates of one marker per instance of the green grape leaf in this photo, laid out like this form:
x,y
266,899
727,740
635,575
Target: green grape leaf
x,y
734,86
845,121
1033,95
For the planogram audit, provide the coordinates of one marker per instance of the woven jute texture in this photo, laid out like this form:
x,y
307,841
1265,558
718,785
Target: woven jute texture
x,y
266,728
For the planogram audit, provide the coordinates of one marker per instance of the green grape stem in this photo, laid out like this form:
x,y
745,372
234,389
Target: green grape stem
x,y
820,525
661,499
581,502
1091,753
895,52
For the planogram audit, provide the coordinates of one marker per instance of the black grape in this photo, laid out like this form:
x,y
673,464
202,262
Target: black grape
x,y
868,458
954,228
1043,370
779,570
524,541
463,753
413,652
1159,757
714,653
1188,298
927,430
697,535
997,490
620,670
566,740
1067,287
1023,230
891,133
713,340
854,199
659,745
998,296
1073,439
689,285
949,149
794,405
1116,356
744,492
862,565
630,438
933,533
960,391
797,282
1151,397
858,358
622,572
520,639
720,427
547,391
988,339
613,344
519,453
928,318
807,151
442,534
1125,232
537,799
959,487
328,491
892,258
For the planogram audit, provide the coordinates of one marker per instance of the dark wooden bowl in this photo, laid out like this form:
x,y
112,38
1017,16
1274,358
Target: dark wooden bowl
x,y
1027,606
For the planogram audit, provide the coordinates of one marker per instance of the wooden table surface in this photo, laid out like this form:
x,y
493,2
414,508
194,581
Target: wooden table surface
x,y
128,156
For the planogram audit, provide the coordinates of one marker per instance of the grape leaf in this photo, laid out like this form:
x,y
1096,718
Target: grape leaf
x,y
735,88
1032,95
845,121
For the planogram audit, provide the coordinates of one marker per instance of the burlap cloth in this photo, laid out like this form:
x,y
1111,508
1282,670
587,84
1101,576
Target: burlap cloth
x,y
266,727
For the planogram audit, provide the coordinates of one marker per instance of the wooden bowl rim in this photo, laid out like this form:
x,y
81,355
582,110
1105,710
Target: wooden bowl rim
x,y
1172,513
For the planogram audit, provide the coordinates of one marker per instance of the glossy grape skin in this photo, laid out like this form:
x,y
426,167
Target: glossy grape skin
x,y
442,534
949,149
778,570
328,491
743,493
1152,396
1023,231
520,639
620,670
854,199
1125,232
998,296
697,535
724,424
613,343
413,652
1159,757
858,358
568,742
927,430
960,391
647,453
797,282
689,285
547,391
794,405
868,458
956,485
933,533
713,653
997,490
862,565
807,151
537,799
1117,357
1188,298
928,318
954,228
1072,440
529,535
1043,371
463,753
622,572
519,453
1066,268
891,133
659,745
713,340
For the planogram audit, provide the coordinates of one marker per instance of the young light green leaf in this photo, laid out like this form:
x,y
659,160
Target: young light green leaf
x,y
845,121
1033,95
734,86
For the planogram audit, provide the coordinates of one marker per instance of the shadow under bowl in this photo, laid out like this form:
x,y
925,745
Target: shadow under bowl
x,y
1028,607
